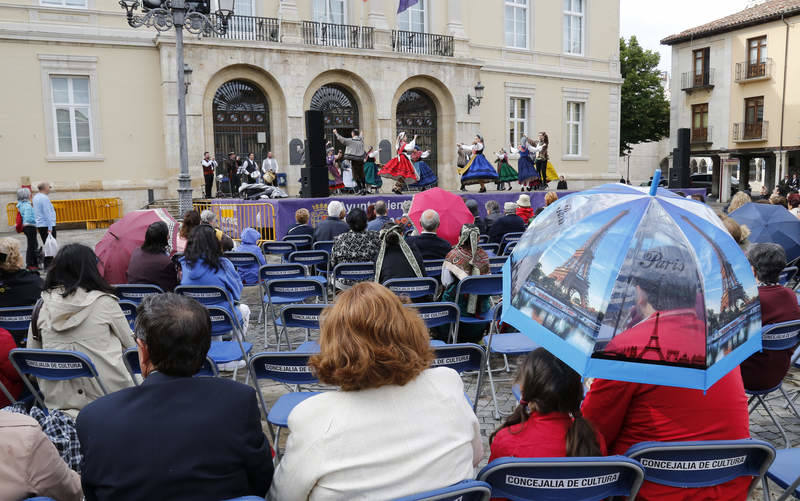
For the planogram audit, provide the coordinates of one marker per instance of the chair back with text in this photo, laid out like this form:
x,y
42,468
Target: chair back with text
x,y
357,272
294,290
246,264
495,248
787,275
468,490
137,292
702,463
301,242
433,268
208,296
573,478
279,271
413,287
436,314
16,320
312,259
129,310
461,357
780,336
130,358
302,316
326,245
281,249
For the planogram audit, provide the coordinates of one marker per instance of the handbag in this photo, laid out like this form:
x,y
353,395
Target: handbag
x,y
50,246
19,222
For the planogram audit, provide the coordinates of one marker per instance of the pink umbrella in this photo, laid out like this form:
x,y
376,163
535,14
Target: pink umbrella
x,y
453,213
115,248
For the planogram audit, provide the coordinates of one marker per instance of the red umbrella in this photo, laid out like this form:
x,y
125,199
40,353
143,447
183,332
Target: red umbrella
x,y
453,213
115,248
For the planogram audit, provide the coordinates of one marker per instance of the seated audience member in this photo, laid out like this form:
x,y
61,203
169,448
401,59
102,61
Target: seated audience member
x,y
405,219
31,464
191,220
204,264
301,216
548,421
358,245
794,203
9,377
18,286
381,217
779,200
739,199
333,226
628,413
699,197
509,223
562,183
80,312
739,232
396,257
478,221
465,260
150,263
249,237
407,427
210,219
550,197
765,369
175,437
524,208
371,212
430,245
492,213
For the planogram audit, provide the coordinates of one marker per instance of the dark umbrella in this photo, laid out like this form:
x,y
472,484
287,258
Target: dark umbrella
x,y
771,223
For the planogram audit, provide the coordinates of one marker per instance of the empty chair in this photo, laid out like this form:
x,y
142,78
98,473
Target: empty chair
x,y
315,261
496,264
433,268
290,291
272,272
137,292
461,357
468,490
301,242
785,473
483,239
573,478
129,310
438,314
413,287
302,316
354,272
494,248
326,245
52,365
247,266
703,463
16,320
509,247
281,249
787,275
481,285
131,359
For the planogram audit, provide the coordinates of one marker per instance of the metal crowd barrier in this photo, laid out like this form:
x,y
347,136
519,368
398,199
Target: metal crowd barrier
x,y
233,218
95,212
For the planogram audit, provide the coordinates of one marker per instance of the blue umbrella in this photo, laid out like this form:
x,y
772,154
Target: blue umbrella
x,y
634,285
771,223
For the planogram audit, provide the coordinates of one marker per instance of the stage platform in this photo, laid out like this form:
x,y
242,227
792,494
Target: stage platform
x,y
274,217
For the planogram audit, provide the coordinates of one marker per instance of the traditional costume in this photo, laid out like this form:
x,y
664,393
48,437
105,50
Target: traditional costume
x,y
400,167
371,170
542,157
478,170
334,174
527,170
506,173
426,175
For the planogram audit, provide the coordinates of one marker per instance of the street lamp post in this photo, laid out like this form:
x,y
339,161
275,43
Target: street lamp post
x,y
163,15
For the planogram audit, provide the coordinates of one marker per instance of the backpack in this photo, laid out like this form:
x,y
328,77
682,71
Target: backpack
x,y
19,222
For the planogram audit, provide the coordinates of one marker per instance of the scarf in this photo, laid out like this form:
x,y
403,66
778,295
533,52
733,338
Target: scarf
x,y
466,260
395,229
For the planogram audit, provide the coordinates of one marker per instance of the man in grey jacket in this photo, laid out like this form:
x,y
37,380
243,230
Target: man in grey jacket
x,y
354,151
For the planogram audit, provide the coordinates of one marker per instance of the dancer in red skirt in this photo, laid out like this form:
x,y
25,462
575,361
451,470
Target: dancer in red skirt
x,y
400,167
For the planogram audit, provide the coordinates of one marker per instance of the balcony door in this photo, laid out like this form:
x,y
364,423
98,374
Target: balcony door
x,y
757,57
700,70
700,123
241,114
753,117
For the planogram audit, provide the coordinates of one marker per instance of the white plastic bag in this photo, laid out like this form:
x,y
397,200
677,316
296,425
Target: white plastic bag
x,y
50,246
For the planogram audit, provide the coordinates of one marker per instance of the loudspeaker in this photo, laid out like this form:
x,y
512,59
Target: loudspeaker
x,y
679,174
314,182
315,139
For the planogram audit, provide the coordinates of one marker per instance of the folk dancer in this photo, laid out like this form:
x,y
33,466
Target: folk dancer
x,y
527,175
506,173
427,177
371,177
400,167
354,152
478,170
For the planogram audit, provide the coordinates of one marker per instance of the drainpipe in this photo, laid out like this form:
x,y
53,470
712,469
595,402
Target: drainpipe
x,y
783,97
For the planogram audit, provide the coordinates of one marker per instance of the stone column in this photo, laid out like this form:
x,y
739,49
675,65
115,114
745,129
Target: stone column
x,y
726,164
715,175
781,164
376,17
288,10
455,26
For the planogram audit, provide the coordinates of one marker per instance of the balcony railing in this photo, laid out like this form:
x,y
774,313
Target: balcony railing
x,y
692,81
338,35
702,136
262,29
422,43
748,70
750,131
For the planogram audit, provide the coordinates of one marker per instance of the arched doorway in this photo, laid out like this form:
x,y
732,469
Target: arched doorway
x,y
339,110
241,120
416,115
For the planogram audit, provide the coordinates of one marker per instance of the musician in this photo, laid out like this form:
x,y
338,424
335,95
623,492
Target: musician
x,y
270,169
209,165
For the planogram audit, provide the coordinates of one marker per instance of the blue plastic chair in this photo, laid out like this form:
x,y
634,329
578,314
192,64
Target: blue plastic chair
x,y
433,268
784,471
496,264
137,292
461,357
509,247
288,368
129,310
494,248
302,316
510,343
7,394
302,242
514,236
290,291
482,285
703,463
16,320
326,245
413,287
483,239
436,314
468,490
52,365
787,275
281,249
245,262
275,272
573,478
356,272
315,261
780,336
130,358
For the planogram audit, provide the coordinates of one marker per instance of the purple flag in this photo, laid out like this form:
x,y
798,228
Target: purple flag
x,y
405,4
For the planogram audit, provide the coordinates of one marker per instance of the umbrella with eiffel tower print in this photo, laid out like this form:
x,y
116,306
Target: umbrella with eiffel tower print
x,y
634,285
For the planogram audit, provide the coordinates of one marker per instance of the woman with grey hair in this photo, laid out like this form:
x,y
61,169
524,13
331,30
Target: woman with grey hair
x,y
25,209
765,370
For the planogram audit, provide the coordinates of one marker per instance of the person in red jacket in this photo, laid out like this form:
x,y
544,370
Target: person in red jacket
x,y
629,413
547,422
9,377
766,369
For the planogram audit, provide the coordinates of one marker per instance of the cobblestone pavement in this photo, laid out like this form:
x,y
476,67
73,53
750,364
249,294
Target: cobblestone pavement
x,y
760,425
